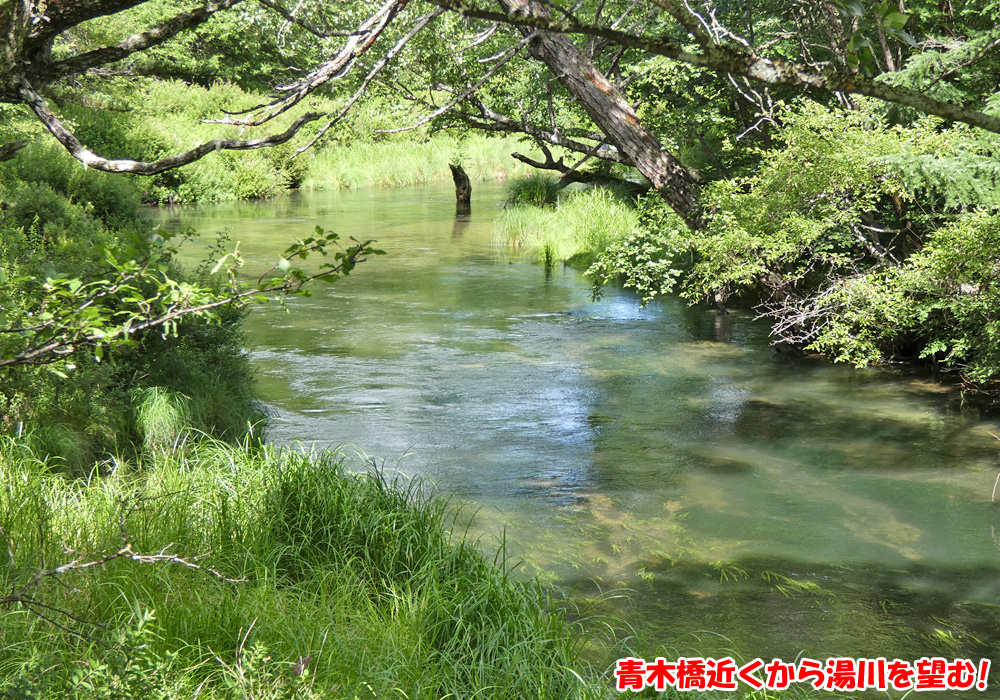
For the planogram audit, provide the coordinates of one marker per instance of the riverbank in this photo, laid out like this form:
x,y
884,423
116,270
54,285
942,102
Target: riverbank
x,y
147,119
268,573
156,549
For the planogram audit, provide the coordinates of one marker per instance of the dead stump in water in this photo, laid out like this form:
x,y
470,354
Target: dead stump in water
x,y
463,189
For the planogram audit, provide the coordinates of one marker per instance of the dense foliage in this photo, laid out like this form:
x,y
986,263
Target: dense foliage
x,y
78,256
862,239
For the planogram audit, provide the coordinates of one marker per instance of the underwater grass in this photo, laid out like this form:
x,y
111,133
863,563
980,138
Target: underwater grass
x,y
357,574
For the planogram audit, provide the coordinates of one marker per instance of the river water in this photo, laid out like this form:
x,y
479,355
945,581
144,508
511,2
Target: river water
x,y
743,500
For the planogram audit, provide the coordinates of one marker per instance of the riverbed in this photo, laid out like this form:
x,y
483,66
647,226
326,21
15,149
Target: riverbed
x,y
738,499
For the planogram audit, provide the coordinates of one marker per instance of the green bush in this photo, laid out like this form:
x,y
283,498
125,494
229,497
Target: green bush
x,y
942,304
857,238
93,404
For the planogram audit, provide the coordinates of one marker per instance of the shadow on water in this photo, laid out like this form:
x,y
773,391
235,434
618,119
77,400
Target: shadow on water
x,y
789,504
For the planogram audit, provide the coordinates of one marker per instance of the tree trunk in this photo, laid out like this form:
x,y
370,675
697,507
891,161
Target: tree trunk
x,y
613,115
463,189
9,150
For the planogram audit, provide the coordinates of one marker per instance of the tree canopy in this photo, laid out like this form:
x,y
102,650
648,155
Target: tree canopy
x,y
931,60
711,102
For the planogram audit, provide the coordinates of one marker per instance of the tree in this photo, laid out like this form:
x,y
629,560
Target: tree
x,y
595,53
666,28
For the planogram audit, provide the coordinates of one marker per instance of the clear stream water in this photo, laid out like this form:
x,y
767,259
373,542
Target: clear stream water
x,y
747,500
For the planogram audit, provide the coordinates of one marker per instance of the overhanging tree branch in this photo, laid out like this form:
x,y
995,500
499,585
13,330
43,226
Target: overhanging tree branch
x,y
59,334
505,57
373,73
337,66
136,42
90,159
742,61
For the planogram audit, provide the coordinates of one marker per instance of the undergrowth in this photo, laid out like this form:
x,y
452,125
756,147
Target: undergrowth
x,y
348,586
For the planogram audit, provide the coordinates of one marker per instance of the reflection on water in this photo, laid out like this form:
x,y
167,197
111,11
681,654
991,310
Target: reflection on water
x,y
785,503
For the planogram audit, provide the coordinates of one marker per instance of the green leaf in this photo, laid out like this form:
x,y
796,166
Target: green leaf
x,y
284,265
218,265
851,7
905,37
895,20
858,41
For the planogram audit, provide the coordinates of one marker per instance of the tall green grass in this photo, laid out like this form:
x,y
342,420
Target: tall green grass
x,y
536,190
397,163
582,225
165,117
357,574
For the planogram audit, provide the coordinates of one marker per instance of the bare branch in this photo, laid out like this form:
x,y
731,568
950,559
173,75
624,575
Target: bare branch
x,y
488,120
376,69
308,26
481,37
361,40
91,160
510,53
25,597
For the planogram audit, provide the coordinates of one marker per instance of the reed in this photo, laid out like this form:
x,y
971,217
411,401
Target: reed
x,y
582,225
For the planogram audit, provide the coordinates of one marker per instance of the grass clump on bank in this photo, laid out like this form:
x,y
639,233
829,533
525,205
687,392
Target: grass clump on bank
x,y
581,225
149,119
351,587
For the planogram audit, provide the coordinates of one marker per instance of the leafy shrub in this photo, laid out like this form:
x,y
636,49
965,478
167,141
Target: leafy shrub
x,y
94,403
857,238
942,304
650,259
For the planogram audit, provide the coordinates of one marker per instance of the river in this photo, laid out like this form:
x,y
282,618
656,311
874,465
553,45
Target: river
x,y
743,500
